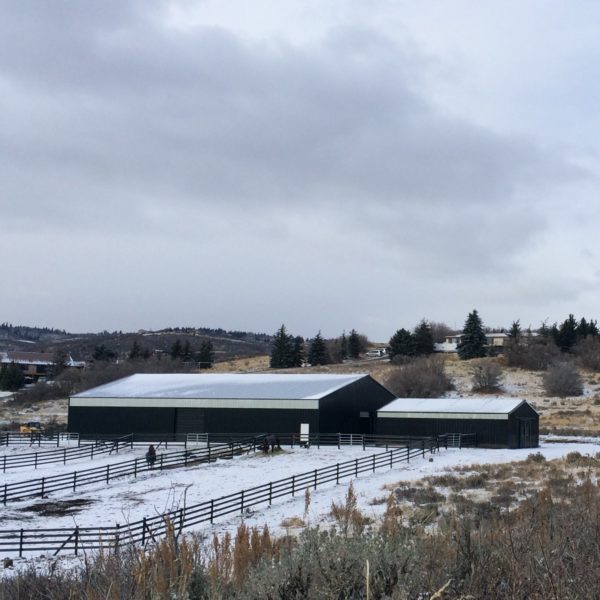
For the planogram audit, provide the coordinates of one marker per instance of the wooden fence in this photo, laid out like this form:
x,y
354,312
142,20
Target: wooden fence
x,y
150,529
72,481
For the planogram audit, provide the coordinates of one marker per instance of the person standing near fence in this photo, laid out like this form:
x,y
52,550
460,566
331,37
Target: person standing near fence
x,y
151,456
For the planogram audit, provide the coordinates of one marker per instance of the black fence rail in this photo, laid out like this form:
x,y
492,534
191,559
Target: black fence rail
x,y
458,440
150,529
8,438
10,492
64,455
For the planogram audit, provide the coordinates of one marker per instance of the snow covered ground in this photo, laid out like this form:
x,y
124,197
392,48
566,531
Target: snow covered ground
x,y
150,494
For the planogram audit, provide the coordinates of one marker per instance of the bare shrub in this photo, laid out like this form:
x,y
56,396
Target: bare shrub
x,y
538,457
421,378
587,352
347,515
534,353
563,379
486,375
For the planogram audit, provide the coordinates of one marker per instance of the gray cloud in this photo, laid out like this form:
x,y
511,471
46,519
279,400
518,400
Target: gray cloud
x,y
115,124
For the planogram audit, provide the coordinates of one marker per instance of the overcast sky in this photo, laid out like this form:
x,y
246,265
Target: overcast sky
x,y
325,164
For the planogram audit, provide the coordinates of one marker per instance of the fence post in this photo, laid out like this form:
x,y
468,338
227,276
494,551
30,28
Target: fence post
x,y
107,473
408,453
315,479
423,447
135,468
212,510
337,473
144,531
270,492
209,452
363,442
242,502
117,537
92,453
162,456
35,461
356,467
21,543
5,493
339,435
231,446
43,482
293,485
4,468
460,441
391,458
64,456
293,436
76,540
74,480
373,463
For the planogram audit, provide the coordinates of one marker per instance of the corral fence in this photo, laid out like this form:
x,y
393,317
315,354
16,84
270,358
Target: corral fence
x,y
72,481
8,438
150,529
65,455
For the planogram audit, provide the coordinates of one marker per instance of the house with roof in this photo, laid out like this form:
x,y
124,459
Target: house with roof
x,y
497,421
35,364
229,403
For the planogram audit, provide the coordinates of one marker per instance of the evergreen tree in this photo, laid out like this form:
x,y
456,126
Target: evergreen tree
x,y
317,353
135,352
422,339
401,344
343,346
514,333
205,357
176,349
11,378
583,328
473,341
354,344
566,335
101,352
593,328
297,358
186,353
282,350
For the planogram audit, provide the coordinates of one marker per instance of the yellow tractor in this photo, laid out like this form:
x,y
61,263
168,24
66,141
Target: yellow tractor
x,y
31,427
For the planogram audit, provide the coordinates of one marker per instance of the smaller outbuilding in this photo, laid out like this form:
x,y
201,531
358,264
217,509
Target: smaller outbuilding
x,y
498,422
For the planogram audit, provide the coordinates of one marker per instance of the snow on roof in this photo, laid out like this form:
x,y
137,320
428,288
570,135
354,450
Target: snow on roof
x,y
493,405
223,385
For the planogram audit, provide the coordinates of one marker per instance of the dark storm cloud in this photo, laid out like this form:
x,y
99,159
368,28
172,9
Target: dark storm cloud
x,y
109,118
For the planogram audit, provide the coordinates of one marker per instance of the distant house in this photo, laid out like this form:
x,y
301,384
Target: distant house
x,y
35,364
495,342
497,422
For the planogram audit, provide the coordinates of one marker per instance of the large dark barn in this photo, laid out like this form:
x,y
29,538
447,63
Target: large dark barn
x,y
229,403
498,422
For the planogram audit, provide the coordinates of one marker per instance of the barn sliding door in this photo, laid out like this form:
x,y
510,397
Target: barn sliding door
x,y
190,420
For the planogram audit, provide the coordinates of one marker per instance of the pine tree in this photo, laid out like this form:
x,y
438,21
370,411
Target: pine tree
x,y
135,352
186,352
422,339
297,358
282,350
401,344
317,353
101,352
566,335
205,357
473,341
11,378
514,333
354,344
176,349
593,328
343,346
583,328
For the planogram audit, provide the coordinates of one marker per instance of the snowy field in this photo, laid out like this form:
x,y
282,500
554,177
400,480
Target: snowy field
x,y
130,499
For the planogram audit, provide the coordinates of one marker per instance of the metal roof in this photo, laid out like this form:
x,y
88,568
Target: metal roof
x,y
495,405
223,386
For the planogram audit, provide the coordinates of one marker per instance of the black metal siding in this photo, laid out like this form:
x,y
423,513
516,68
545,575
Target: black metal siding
x,y
109,420
505,433
340,410
259,420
